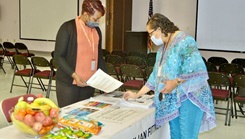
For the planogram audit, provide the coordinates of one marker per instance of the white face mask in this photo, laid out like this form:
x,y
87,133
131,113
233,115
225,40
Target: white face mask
x,y
156,41
92,24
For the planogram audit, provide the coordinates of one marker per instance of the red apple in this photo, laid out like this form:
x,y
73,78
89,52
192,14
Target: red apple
x,y
54,113
47,121
37,126
29,120
40,116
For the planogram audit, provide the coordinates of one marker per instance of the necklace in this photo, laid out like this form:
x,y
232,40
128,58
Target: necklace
x,y
91,42
168,41
164,49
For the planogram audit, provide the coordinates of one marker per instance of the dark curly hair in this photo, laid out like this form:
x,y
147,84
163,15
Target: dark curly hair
x,y
159,20
89,6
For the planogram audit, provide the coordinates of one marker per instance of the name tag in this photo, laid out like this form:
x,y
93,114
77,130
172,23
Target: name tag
x,y
159,71
93,65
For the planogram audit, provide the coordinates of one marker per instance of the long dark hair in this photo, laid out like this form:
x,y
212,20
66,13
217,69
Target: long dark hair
x,y
89,6
159,20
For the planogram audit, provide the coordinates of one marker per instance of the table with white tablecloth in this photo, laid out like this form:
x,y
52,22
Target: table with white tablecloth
x,y
119,123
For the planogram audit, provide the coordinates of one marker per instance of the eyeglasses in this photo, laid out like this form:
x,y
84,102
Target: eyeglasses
x,y
150,34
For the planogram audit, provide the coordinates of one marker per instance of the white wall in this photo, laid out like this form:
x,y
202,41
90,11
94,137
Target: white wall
x,y
9,26
181,12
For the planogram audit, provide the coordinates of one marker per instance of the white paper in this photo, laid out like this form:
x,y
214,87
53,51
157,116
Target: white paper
x,y
104,82
143,102
117,115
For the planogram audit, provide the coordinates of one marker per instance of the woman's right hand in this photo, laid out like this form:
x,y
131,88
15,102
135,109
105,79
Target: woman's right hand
x,y
79,80
130,94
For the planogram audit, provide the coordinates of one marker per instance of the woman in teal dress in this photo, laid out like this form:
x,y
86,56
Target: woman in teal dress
x,y
179,79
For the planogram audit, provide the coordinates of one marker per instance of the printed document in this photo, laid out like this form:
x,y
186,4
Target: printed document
x,y
104,82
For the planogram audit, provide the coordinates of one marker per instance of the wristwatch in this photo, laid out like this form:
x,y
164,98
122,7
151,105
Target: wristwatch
x,y
178,81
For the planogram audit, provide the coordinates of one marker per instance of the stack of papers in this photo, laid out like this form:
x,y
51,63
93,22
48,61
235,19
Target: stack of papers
x,y
142,102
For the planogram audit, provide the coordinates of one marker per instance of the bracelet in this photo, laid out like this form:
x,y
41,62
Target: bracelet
x,y
178,81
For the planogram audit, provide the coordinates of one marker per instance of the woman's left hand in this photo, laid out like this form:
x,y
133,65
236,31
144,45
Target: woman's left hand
x,y
170,85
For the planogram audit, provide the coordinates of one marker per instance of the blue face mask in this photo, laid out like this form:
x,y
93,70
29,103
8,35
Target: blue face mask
x,y
92,24
156,41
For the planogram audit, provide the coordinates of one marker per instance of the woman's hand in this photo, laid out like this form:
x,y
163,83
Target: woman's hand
x,y
170,85
130,94
79,80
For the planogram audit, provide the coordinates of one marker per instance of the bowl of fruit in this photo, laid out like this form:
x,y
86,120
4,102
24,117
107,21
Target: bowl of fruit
x,y
35,118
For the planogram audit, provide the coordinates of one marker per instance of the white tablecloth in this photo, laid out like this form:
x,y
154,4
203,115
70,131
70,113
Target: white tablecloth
x,y
139,125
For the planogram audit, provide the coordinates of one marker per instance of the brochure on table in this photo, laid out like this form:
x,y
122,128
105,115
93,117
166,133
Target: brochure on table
x,y
110,105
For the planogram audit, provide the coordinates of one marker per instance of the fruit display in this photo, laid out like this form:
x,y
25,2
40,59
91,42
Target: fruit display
x,y
67,133
36,118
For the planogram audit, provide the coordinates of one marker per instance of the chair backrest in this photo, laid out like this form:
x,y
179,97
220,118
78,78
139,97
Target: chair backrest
x,y
217,60
135,53
136,60
239,85
116,60
53,63
219,80
151,55
151,61
105,52
40,62
2,50
148,71
204,59
21,60
123,54
8,104
211,67
10,47
52,54
54,67
231,69
132,71
2,55
112,70
239,61
21,48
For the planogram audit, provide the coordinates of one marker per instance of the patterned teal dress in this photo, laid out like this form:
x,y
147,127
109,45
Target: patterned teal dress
x,y
182,60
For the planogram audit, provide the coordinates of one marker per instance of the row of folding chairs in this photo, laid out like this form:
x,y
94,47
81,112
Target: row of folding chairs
x,y
134,60
230,91
132,76
229,68
124,54
34,67
218,61
10,49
